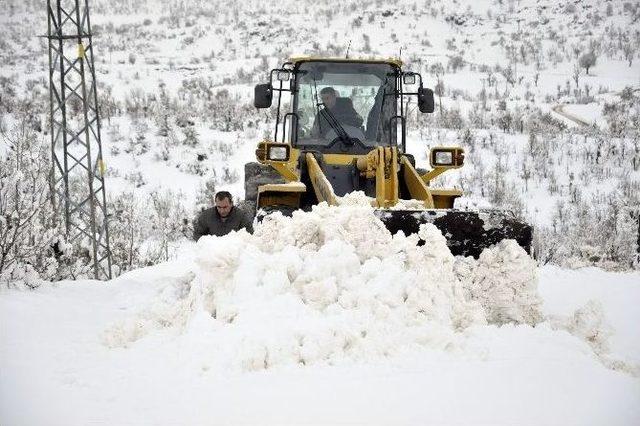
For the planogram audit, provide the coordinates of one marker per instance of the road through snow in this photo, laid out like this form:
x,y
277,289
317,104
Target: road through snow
x,y
559,109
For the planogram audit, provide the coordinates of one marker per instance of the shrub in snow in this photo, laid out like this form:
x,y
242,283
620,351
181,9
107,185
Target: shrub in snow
x,y
138,103
222,149
31,248
455,63
451,119
20,276
114,133
205,195
190,136
109,106
600,230
127,233
163,151
26,219
136,178
623,116
538,122
147,230
168,223
194,166
229,175
138,143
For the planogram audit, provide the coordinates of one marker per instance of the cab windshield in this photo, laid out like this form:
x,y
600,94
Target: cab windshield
x,y
345,103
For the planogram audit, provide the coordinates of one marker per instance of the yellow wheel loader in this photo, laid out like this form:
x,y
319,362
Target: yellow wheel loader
x,y
340,126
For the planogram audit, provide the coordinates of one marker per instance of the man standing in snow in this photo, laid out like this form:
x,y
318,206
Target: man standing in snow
x,y
221,219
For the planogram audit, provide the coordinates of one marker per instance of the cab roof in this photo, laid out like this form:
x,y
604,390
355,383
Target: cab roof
x,y
392,61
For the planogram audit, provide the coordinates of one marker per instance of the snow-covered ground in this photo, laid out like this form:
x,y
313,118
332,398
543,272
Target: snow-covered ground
x,y
325,318
321,324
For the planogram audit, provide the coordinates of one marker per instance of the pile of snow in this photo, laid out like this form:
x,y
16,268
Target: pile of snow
x,y
504,281
334,284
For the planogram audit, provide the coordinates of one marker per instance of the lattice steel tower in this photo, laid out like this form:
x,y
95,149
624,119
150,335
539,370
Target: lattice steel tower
x,y
78,169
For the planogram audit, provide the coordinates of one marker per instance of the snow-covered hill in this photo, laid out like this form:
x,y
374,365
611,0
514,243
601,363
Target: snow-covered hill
x,y
175,81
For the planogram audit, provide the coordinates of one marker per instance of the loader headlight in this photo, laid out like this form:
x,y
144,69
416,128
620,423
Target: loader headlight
x,y
443,158
271,151
447,157
278,153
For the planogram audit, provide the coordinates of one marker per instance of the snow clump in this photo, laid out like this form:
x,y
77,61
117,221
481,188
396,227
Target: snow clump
x,y
503,280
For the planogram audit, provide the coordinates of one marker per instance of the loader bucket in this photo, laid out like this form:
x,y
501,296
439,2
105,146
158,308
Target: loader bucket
x,y
467,232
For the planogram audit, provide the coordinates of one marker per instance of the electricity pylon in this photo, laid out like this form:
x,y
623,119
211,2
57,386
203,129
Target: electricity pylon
x,y
77,179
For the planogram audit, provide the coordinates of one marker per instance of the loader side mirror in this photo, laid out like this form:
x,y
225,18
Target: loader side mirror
x,y
408,78
263,95
283,75
425,100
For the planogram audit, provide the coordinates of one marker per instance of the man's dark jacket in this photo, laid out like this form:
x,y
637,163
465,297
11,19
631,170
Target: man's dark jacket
x,y
343,111
209,222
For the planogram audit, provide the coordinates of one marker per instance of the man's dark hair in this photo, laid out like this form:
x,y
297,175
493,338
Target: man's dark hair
x,y
327,90
221,195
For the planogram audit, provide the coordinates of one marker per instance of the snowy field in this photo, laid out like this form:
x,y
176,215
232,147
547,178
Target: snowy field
x,y
321,325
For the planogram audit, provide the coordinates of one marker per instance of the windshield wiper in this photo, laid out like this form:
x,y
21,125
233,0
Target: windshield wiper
x,y
335,125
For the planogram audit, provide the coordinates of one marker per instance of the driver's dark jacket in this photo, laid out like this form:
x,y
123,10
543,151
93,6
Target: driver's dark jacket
x,y
209,222
343,112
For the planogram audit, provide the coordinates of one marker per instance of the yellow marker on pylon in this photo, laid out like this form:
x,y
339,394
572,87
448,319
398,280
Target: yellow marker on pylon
x,y
80,50
102,167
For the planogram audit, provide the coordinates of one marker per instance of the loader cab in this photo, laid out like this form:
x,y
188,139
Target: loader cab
x,y
341,105
356,117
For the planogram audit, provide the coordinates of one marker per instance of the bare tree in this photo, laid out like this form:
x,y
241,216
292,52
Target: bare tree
x,y
575,76
438,70
629,52
509,75
128,232
169,222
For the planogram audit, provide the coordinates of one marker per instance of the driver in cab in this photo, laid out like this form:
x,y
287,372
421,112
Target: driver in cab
x,y
340,108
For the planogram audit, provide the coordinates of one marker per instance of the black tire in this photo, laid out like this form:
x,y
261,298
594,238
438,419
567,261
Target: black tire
x,y
467,232
267,210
